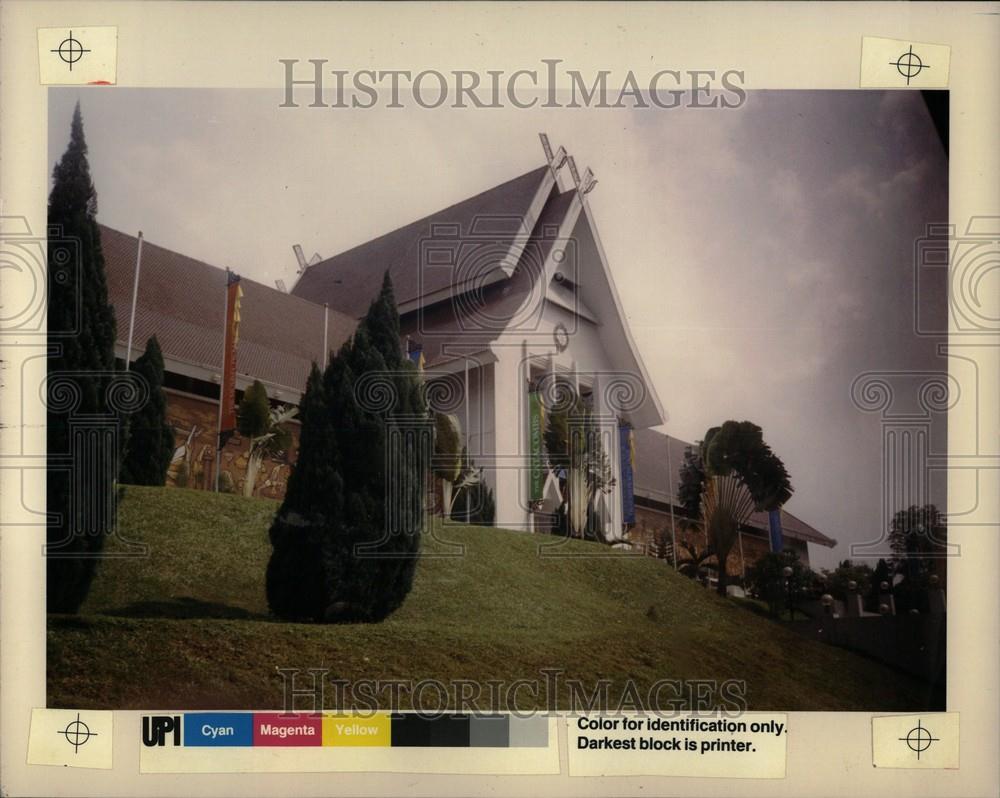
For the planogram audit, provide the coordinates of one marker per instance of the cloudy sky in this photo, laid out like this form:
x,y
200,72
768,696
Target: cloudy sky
x,y
764,255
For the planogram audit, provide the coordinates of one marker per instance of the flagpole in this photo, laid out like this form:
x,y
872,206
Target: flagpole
x,y
222,385
326,327
468,443
670,501
135,295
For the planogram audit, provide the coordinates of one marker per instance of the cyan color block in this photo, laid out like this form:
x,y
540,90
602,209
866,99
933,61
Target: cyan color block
x,y
223,729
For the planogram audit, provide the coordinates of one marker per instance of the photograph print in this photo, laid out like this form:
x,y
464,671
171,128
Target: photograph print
x,y
561,407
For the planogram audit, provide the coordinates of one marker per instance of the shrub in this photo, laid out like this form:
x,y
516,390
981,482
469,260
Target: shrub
x,y
150,438
837,582
337,554
767,581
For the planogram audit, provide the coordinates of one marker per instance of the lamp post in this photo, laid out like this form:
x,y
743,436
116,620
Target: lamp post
x,y
827,601
852,600
886,599
787,572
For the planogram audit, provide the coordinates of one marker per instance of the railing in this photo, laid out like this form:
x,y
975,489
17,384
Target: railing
x,y
659,551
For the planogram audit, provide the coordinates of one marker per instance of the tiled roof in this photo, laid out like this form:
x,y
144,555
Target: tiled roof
x,y
490,220
477,318
655,474
182,301
656,477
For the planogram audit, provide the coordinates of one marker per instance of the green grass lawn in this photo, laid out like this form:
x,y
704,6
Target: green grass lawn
x,y
187,626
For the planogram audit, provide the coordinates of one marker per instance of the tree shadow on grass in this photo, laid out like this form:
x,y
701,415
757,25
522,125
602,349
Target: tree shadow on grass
x,y
185,607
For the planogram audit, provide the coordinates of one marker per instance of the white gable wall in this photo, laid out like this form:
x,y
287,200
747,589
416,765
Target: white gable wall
x,y
516,351
599,351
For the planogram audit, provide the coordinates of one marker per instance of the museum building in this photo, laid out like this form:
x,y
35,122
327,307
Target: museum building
x,y
506,300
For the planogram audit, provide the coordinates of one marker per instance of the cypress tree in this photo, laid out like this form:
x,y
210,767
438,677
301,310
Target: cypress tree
x,y
150,438
337,554
81,326
296,585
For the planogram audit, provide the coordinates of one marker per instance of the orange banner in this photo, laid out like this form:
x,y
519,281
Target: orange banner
x,y
227,419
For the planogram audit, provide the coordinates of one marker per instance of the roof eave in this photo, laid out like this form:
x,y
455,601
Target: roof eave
x,y
656,414
505,268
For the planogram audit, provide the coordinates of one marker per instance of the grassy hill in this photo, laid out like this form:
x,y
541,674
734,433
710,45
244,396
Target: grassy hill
x,y
187,626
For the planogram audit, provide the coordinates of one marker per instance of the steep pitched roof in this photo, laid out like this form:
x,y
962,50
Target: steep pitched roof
x,y
181,300
348,281
658,459
481,315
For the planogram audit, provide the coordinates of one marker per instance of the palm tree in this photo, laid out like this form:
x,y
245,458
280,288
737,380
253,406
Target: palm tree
x,y
694,562
276,439
573,447
733,474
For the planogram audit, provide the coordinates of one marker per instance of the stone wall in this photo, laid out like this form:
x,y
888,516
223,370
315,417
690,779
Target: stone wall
x,y
195,420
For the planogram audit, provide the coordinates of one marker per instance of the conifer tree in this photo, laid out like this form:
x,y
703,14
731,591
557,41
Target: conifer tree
x,y
351,528
150,438
296,587
81,326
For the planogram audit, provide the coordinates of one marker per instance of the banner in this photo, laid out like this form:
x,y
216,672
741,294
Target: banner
x,y
536,427
628,473
774,522
227,416
416,355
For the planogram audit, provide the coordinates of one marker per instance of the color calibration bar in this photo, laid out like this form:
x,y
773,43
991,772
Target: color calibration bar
x,y
257,729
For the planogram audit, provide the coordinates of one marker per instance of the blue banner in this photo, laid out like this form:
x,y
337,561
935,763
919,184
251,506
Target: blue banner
x,y
416,354
628,473
774,522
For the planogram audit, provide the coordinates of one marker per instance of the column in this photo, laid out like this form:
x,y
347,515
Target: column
x,y
510,420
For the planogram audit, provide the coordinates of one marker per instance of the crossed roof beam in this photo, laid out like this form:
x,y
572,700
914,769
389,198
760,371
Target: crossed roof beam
x,y
560,158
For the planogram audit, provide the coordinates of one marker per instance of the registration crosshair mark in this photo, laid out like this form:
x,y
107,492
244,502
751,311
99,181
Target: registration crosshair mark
x,y
909,65
77,733
918,739
70,50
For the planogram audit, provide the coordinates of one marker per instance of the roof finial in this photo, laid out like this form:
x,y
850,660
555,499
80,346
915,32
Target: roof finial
x,y
573,171
556,160
546,146
301,258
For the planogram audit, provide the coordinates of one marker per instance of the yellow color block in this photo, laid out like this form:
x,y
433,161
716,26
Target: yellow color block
x,y
353,730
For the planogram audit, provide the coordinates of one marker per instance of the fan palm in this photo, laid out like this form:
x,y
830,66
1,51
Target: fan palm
x,y
733,474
